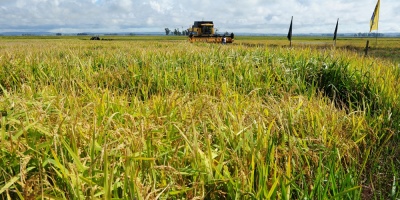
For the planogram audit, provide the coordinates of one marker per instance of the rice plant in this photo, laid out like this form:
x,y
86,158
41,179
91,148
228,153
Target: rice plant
x,y
140,119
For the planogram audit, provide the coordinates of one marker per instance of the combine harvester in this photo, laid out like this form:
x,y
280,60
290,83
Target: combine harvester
x,y
203,31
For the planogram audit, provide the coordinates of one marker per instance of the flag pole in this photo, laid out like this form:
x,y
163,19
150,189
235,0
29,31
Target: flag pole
x,y
377,33
376,41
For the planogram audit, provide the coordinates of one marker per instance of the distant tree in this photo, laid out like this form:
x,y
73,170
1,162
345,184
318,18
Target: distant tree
x,y
167,31
176,32
95,38
58,34
185,32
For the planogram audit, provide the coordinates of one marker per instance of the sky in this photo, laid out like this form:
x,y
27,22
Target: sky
x,y
238,16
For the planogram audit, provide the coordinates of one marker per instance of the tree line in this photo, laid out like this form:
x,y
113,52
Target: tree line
x,y
176,32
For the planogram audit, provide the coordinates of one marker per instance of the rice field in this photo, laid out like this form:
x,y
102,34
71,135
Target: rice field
x,y
161,118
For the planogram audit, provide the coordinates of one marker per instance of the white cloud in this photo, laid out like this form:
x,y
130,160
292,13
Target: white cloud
x,y
262,16
161,7
150,21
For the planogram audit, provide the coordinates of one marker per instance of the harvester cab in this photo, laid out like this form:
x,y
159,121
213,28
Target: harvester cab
x,y
203,31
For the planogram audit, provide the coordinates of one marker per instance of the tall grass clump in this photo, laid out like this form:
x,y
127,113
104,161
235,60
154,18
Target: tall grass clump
x,y
172,120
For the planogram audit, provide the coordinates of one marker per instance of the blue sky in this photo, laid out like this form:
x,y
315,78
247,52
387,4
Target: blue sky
x,y
258,16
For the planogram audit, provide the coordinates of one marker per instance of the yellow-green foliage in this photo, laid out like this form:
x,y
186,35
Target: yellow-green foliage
x,y
142,119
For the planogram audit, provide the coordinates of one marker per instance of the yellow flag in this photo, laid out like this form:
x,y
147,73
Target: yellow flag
x,y
373,24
